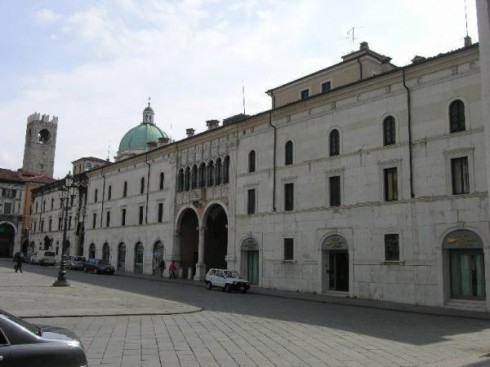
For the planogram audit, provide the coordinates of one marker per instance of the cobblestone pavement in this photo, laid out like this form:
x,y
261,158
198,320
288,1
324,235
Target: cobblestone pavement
x,y
239,330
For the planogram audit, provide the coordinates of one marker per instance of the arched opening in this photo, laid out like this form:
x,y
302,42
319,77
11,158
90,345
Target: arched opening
x,y
121,257
335,259
47,243
106,253
216,238
7,236
138,258
158,256
189,242
464,265
91,251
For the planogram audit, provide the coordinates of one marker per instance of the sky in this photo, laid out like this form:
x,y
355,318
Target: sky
x,y
95,63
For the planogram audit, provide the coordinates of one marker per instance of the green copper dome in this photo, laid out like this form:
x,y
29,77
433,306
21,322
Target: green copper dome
x,y
138,137
136,140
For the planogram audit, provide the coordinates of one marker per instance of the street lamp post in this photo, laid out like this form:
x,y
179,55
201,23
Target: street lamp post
x,y
68,184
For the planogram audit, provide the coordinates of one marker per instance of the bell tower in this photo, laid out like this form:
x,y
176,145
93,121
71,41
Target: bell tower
x,y
40,144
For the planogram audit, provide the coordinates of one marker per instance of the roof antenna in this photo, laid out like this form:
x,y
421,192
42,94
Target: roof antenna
x,y
108,152
467,39
243,96
149,100
351,34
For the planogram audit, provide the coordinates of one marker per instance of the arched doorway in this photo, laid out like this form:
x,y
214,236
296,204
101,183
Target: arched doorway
x,y
138,258
250,260
335,260
91,251
158,255
189,242
7,236
121,257
216,238
106,253
464,264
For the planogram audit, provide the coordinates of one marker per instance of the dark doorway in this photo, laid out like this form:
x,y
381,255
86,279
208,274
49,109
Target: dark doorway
x,y
189,242
216,238
7,235
339,270
121,257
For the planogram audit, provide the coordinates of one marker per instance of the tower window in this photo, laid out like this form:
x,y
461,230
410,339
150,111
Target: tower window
x,y
457,116
43,136
251,161
389,135
289,153
334,140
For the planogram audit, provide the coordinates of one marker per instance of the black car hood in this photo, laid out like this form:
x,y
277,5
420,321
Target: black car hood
x,y
55,333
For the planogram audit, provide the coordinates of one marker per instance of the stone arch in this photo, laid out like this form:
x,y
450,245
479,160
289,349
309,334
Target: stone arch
x,y
215,224
188,224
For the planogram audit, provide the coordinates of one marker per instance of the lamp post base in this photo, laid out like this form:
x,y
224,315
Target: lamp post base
x,y
61,283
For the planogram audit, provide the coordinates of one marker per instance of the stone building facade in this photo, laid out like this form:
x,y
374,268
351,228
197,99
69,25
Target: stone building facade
x,y
363,180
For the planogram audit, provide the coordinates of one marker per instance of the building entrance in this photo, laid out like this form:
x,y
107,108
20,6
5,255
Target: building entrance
x,y
216,238
465,265
335,269
7,235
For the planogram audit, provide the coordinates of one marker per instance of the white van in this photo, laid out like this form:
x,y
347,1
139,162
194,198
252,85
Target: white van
x,y
43,258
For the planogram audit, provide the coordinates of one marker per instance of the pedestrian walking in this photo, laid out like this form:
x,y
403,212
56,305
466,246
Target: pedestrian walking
x,y
18,258
162,267
172,269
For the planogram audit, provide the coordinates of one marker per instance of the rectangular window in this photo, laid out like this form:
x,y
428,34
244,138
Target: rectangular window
x,y
94,220
305,93
160,212
7,208
50,223
288,249
123,217
460,176
391,184
141,214
289,196
34,227
108,219
251,201
109,193
326,87
59,224
42,225
9,193
334,190
392,247
69,222
162,177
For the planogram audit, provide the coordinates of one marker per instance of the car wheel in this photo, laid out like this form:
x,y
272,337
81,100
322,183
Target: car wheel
x,y
227,288
209,285
244,290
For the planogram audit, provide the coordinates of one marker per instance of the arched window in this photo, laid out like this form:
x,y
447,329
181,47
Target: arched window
x,y
180,180
334,141
187,179
389,134
125,189
218,171
456,116
194,177
142,185
288,153
106,253
251,161
202,175
226,170
210,174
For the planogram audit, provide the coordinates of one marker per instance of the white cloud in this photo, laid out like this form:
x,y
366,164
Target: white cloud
x,y
46,16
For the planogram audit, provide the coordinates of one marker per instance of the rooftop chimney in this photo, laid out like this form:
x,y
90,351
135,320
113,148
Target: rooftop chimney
x,y
212,124
163,141
364,46
467,41
418,59
189,132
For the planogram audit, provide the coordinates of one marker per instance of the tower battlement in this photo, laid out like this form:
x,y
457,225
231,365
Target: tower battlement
x,y
36,116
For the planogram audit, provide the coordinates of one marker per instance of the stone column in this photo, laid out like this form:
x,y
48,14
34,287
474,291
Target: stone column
x,y
175,251
200,266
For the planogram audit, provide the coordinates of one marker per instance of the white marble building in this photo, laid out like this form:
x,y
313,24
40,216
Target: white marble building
x,y
364,180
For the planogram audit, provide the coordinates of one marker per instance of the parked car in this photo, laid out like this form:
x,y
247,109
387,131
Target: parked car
x,y
43,258
98,266
75,262
226,279
25,344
